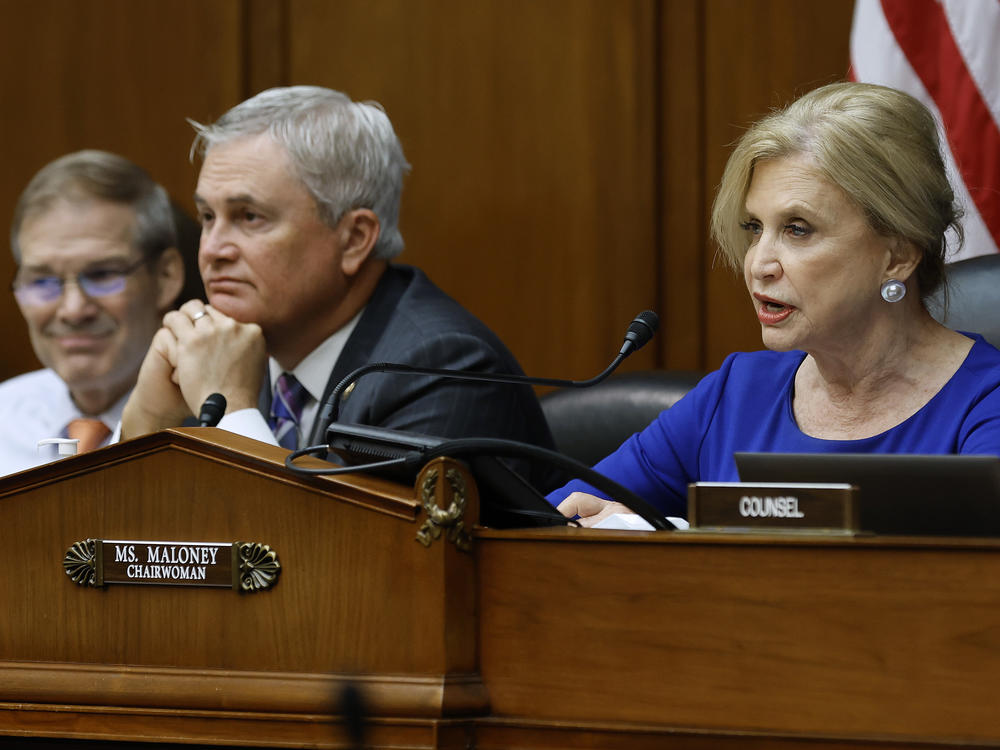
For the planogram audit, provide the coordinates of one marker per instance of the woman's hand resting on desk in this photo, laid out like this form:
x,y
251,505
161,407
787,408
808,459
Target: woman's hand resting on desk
x,y
591,510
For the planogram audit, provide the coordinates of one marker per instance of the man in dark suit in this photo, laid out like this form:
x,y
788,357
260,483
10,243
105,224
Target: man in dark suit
x,y
299,197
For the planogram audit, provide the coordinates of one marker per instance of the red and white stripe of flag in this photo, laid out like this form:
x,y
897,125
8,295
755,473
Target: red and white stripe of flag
x,y
947,54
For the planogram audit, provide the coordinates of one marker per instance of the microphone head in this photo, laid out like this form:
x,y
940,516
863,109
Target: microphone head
x,y
212,410
640,331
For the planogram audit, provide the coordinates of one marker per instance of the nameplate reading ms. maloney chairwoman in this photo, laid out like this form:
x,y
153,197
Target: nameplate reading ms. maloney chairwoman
x,y
243,566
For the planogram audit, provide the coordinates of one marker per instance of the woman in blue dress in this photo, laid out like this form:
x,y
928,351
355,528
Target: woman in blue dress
x,y
836,209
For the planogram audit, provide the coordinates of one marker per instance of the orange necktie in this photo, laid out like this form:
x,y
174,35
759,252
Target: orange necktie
x,y
90,432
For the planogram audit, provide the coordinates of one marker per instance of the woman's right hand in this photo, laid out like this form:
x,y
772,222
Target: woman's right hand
x,y
590,509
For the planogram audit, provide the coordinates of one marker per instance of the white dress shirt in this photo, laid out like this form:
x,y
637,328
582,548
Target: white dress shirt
x,y
36,406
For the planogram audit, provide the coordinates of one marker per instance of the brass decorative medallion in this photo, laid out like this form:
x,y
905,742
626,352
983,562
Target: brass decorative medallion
x,y
258,566
80,563
439,518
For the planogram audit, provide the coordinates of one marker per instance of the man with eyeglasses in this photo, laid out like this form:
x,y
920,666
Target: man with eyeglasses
x,y
96,247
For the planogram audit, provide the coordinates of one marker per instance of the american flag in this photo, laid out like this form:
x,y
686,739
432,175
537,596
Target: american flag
x,y
947,54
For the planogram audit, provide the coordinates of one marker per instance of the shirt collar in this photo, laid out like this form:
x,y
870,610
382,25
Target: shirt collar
x,y
313,372
112,417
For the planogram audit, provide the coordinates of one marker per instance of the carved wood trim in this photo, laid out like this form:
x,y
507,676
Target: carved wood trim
x,y
411,696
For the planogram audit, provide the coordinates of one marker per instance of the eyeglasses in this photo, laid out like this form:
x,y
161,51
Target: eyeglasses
x,y
97,282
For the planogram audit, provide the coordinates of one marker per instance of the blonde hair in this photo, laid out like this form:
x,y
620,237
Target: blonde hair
x,y
879,145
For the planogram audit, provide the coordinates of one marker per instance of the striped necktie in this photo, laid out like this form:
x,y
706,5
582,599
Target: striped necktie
x,y
287,402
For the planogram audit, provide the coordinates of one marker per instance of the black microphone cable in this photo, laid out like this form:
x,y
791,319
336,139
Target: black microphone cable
x,y
639,332
493,447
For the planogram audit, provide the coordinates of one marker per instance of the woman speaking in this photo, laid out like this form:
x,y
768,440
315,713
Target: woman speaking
x,y
836,209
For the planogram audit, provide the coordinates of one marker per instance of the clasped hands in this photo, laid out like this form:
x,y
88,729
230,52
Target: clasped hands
x,y
197,352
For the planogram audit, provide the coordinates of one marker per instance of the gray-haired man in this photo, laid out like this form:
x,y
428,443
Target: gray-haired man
x,y
299,197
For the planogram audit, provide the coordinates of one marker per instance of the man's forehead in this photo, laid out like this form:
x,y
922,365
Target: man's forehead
x,y
233,198
79,207
76,257
77,232
246,161
250,169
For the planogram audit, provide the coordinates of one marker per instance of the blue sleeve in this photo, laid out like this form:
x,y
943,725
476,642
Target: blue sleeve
x,y
973,398
745,406
981,427
658,463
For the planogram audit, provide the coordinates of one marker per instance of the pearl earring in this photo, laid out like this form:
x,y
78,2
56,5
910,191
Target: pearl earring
x,y
893,290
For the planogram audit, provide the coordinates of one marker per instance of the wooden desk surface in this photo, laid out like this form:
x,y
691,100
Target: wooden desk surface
x,y
855,639
534,639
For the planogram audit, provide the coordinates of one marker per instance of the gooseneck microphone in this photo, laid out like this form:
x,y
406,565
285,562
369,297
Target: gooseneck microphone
x,y
639,332
212,410
380,449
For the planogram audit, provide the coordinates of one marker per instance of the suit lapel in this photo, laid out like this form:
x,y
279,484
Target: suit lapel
x,y
364,338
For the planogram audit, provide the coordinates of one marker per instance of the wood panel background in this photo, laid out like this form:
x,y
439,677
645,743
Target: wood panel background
x,y
564,152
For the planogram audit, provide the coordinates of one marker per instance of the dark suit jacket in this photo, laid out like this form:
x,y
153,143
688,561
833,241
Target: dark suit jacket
x,y
409,320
